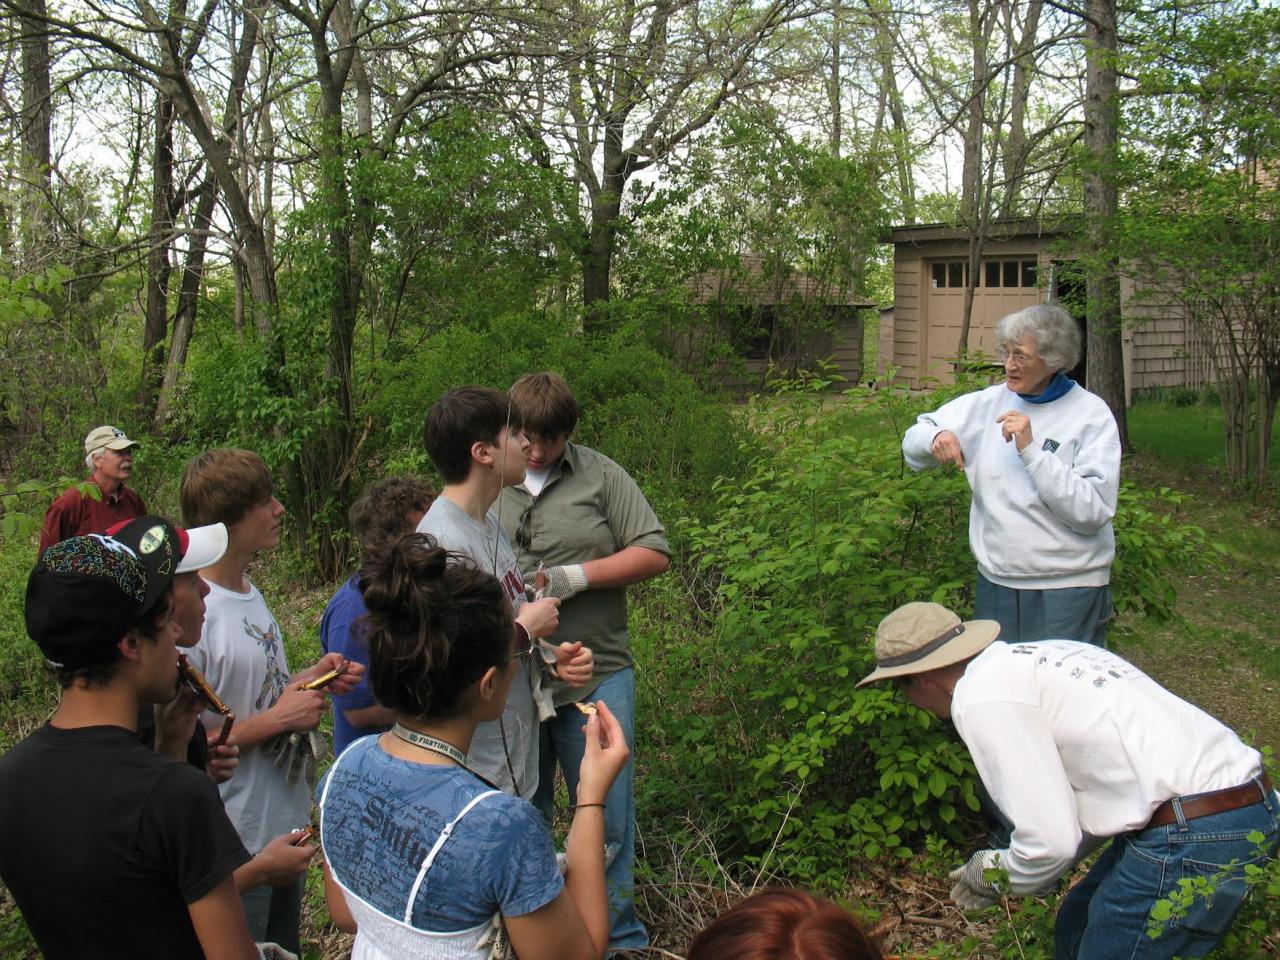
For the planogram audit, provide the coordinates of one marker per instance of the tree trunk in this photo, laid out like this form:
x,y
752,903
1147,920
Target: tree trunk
x,y
1015,149
606,207
971,172
1268,394
184,318
156,312
253,252
37,114
901,146
1105,368
1234,393
975,189
833,81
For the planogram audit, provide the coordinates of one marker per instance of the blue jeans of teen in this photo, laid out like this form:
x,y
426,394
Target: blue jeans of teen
x,y
1106,915
275,913
1069,613
563,742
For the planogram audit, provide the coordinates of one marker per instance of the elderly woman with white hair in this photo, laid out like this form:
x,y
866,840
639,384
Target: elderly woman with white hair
x,y
1042,456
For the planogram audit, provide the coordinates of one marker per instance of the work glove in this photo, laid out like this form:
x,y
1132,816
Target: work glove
x,y
495,940
297,752
562,582
972,890
542,670
273,951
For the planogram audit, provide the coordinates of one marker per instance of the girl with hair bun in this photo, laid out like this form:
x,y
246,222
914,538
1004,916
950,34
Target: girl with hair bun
x,y
783,924
421,853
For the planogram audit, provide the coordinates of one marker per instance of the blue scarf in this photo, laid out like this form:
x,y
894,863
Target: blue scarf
x,y
1058,386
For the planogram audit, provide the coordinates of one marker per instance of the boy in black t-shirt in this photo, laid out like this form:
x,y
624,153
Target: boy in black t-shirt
x,y
109,848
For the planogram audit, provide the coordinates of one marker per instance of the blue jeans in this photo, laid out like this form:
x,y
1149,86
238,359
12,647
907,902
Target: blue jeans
x,y
1068,613
275,913
1106,915
562,741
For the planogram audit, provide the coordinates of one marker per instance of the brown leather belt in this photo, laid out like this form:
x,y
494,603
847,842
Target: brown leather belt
x,y
1217,801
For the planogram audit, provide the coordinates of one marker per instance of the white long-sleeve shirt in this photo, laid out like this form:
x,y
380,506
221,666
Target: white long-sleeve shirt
x,y
1040,518
1071,740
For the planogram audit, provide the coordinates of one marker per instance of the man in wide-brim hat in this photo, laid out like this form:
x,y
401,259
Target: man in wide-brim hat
x,y
1077,746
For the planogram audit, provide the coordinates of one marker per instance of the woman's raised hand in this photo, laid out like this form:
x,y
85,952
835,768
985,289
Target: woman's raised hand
x,y
605,756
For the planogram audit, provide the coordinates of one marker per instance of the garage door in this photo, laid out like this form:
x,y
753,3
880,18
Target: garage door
x,y
1006,285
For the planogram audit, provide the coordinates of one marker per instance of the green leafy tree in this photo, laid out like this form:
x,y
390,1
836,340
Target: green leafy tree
x,y
1202,217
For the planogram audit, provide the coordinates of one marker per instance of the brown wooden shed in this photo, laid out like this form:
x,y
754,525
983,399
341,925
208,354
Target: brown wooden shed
x,y
1023,263
783,318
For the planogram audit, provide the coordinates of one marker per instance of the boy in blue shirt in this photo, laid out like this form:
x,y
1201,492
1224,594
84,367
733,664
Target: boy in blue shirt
x,y
383,510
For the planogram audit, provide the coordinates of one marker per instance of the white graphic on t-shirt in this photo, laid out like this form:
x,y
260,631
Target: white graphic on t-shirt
x,y
276,680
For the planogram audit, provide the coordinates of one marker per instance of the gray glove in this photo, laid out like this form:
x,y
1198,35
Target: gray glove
x,y
563,582
542,670
972,890
297,753
495,940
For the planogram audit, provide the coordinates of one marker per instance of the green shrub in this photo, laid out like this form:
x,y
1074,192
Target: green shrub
x,y
637,406
28,691
1151,542
756,652
808,549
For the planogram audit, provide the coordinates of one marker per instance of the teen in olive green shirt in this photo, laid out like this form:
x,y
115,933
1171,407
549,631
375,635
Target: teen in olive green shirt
x,y
583,525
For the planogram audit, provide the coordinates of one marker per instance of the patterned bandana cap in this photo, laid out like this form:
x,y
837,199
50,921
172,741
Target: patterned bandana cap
x,y
86,594
99,556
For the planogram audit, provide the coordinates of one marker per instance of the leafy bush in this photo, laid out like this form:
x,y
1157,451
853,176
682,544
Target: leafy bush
x,y
1151,542
28,691
636,406
822,534
757,652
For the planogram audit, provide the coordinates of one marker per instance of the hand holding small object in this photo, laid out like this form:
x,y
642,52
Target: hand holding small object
x,y
299,709
223,758
332,673
195,681
1015,426
176,721
283,859
946,449
605,755
540,618
575,663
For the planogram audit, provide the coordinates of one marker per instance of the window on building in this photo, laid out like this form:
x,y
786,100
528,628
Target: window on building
x,y
1009,273
950,274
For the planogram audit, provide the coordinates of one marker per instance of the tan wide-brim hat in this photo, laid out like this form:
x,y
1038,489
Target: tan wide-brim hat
x,y
918,637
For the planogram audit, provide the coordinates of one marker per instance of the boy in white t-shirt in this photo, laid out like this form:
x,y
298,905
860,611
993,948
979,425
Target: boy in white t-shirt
x,y
242,654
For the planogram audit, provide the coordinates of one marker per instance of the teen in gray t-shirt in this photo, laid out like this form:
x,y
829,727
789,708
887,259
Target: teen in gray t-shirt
x,y
504,751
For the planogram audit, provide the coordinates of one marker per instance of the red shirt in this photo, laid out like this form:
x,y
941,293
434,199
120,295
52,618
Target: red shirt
x,y
74,514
